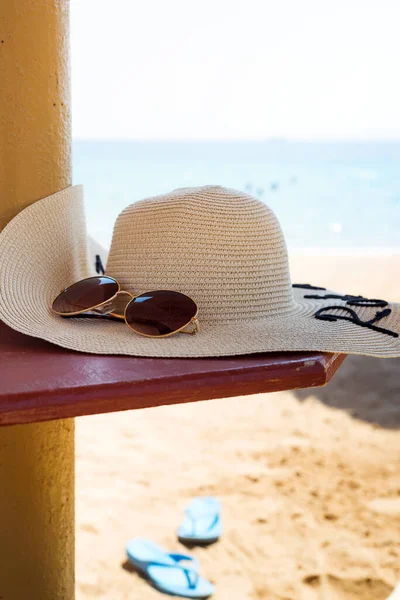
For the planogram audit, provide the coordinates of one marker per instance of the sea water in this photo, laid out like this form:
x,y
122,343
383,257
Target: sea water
x,y
344,196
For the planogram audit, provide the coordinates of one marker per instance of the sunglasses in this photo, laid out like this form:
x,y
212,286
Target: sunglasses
x,y
156,314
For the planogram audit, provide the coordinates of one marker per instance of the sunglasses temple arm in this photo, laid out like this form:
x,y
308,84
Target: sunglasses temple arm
x,y
94,315
195,327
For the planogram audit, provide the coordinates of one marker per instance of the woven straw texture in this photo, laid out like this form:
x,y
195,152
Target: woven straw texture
x,y
222,247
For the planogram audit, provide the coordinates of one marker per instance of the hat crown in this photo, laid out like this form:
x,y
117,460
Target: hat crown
x,y
219,246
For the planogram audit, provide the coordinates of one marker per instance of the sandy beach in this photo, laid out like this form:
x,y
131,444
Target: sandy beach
x,y
309,480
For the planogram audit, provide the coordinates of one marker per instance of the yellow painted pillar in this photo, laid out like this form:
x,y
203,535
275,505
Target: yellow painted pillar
x,y
37,460
37,511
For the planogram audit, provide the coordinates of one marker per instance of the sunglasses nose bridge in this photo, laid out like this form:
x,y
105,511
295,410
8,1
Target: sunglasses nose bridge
x,y
106,307
118,303
122,293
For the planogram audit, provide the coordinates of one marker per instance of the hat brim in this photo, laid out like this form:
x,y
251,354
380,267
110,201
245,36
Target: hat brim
x,y
44,249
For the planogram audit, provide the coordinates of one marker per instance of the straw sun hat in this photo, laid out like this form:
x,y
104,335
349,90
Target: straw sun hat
x,y
221,247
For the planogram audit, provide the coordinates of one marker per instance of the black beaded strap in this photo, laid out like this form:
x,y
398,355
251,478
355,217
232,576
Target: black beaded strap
x,y
307,286
354,318
99,265
351,300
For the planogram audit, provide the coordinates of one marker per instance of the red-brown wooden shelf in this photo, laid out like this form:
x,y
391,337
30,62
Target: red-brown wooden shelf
x,y
40,381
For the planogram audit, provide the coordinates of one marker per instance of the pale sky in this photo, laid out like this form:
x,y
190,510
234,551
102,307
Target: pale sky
x,y
230,69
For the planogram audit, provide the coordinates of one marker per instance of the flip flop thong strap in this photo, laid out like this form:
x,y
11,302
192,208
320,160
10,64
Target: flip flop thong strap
x,y
194,517
191,575
185,557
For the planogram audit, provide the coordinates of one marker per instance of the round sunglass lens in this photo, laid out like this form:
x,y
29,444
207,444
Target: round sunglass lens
x,y
160,313
85,294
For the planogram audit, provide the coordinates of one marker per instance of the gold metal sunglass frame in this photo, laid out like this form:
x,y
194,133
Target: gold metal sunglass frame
x,y
106,304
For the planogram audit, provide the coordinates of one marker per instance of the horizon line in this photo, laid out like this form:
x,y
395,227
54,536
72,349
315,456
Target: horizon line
x,y
273,139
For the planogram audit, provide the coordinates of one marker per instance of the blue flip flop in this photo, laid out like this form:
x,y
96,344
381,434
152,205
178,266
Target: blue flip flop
x,y
165,572
202,524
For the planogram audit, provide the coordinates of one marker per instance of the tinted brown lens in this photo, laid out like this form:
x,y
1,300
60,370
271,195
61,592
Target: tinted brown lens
x,y
85,294
160,313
